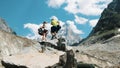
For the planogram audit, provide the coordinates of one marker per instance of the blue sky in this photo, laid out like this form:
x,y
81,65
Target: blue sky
x,y
83,13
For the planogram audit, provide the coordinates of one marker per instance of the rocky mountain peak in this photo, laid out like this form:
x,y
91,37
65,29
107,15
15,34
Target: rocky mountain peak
x,y
109,22
114,6
5,27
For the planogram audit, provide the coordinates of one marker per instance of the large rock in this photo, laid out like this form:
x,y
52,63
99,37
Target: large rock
x,y
66,61
71,62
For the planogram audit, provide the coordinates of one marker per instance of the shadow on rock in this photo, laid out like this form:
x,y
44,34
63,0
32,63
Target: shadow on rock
x,y
8,65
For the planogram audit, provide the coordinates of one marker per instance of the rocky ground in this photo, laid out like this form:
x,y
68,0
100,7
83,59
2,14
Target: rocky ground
x,y
34,60
105,54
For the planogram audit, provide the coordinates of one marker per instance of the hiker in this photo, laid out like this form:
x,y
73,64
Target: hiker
x,y
43,31
55,28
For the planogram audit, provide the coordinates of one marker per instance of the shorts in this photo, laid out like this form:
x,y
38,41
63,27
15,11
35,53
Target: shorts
x,y
55,29
44,31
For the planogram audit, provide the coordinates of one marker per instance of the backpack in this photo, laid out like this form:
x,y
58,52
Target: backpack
x,y
40,31
54,22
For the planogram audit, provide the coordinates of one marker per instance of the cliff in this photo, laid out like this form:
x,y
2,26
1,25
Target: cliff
x,y
102,46
108,24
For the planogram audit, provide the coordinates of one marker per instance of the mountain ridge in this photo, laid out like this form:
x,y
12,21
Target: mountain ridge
x,y
5,27
102,46
108,25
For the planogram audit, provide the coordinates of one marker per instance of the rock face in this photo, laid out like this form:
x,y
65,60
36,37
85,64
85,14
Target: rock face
x,y
110,19
4,26
108,24
12,44
102,46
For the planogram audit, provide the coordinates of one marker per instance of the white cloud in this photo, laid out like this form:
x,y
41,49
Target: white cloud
x,y
91,7
80,20
93,22
33,28
55,3
74,28
71,6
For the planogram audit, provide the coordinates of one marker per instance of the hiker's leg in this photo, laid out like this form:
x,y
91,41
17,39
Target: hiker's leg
x,y
55,35
44,36
52,32
56,31
58,28
52,35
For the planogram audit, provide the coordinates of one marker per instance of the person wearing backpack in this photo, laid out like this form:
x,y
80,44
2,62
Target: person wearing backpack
x,y
43,31
55,28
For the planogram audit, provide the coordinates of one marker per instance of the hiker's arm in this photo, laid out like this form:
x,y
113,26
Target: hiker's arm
x,y
58,22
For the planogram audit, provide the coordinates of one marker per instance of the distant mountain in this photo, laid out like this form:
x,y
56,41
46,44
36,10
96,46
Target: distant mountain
x,y
70,36
108,24
5,27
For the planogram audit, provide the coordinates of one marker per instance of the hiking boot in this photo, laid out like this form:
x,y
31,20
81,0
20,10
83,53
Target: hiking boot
x,y
53,37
